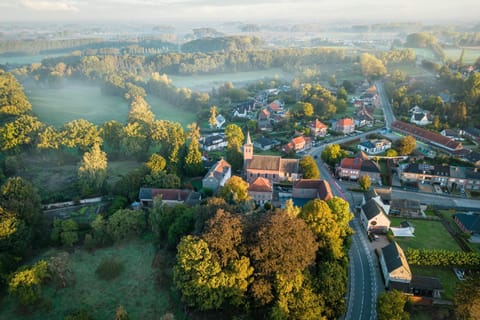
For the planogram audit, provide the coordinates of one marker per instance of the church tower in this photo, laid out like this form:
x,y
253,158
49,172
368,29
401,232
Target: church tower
x,y
247,150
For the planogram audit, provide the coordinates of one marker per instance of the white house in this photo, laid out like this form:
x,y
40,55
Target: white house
x,y
375,146
217,175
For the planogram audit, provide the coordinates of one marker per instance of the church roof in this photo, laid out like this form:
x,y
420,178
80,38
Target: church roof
x,y
265,163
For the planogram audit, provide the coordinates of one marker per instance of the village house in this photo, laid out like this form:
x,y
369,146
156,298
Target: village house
x,y
273,168
276,107
242,110
261,190
395,269
217,175
317,128
265,143
419,116
468,222
345,126
452,177
305,190
298,144
213,142
264,115
434,139
471,133
219,121
375,146
363,117
452,134
170,197
354,168
374,218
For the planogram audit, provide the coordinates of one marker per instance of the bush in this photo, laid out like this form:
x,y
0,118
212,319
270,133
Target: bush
x,y
109,269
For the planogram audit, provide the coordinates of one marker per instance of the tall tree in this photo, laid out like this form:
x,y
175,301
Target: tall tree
x,y
372,66
405,145
332,154
92,172
193,159
391,306
235,190
80,133
309,168
212,121
156,163
364,182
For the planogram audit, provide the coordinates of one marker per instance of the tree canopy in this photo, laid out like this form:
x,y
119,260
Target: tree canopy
x,y
309,168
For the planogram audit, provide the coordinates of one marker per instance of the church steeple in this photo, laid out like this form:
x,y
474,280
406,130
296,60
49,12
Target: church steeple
x,y
247,149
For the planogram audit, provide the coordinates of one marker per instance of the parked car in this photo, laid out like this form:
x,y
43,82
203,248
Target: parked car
x,y
459,273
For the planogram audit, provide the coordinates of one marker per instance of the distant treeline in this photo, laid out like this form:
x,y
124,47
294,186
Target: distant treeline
x,y
25,47
222,44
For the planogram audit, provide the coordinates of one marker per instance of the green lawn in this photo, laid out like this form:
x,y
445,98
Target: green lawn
x,y
471,54
428,235
135,288
165,111
76,101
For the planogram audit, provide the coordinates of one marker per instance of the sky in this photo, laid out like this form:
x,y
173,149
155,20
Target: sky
x,y
257,11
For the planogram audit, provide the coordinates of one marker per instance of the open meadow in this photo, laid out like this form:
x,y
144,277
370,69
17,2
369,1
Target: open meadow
x,y
207,82
136,288
471,54
76,101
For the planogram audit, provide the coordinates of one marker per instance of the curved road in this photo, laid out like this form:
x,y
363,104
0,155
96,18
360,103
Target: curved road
x,y
363,274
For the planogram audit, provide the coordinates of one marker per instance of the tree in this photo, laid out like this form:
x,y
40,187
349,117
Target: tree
x,y
65,232
193,159
112,131
304,109
223,233
121,313
309,168
319,218
60,271
99,227
332,154
234,136
19,197
364,182
92,172
235,190
80,133
156,163
391,305
467,298
372,66
391,153
26,283
282,245
342,214
405,145
212,121
125,224
21,131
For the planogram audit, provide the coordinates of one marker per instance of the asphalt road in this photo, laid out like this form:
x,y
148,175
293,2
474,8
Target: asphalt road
x,y
363,273
385,103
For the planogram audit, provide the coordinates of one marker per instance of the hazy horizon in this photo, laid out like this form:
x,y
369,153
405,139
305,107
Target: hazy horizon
x,y
257,11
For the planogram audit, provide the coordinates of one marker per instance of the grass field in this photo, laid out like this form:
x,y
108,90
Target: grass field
x,y
471,54
76,101
428,235
135,288
166,111
206,82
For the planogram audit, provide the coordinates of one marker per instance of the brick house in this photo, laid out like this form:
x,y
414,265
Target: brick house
x,y
345,125
318,128
354,168
311,189
299,143
261,190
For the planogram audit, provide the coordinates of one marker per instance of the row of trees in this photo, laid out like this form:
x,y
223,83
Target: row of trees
x,y
442,258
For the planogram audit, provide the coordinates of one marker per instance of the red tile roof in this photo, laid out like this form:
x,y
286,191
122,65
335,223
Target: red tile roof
x,y
351,163
322,186
317,124
429,136
260,185
345,122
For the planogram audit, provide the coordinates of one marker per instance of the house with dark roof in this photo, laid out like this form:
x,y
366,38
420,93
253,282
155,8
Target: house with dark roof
x,y
261,190
471,133
432,138
345,126
468,222
382,196
354,168
273,168
452,177
217,175
420,117
405,208
452,134
311,189
170,197
472,157
363,117
375,146
265,143
317,128
395,268
374,217
213,142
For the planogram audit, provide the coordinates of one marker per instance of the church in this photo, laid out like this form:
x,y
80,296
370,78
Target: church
x,y
273,168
